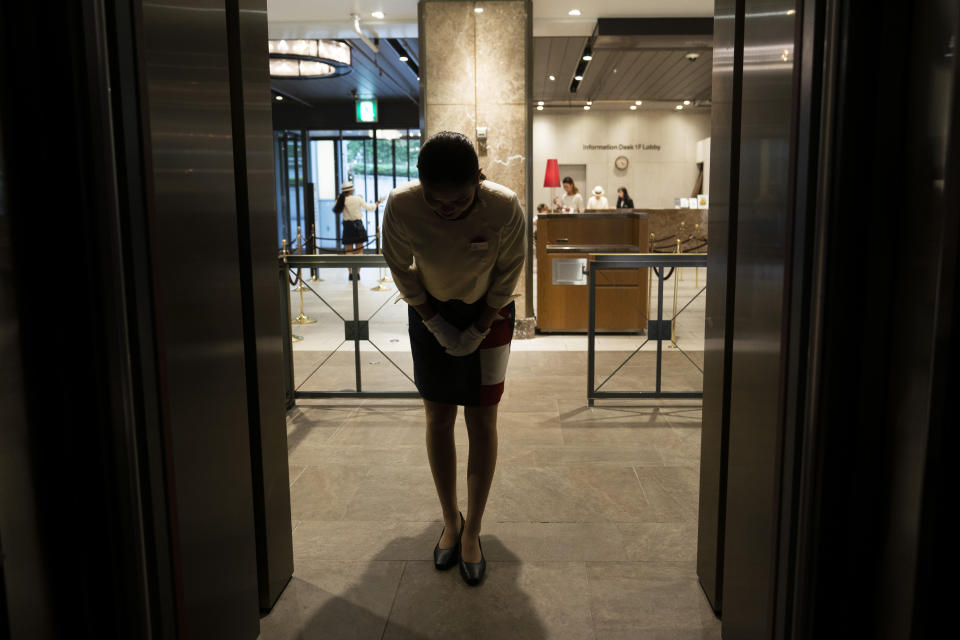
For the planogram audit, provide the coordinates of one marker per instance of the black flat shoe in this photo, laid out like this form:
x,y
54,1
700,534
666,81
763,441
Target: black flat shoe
x,y
473,572
444,559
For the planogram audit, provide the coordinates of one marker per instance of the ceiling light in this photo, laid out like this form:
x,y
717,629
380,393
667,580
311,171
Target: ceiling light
x,y
278,98
539,107
638,102
791,12
588,57
308,58
586,107
539,103
552,77
573,12
404,58
678,107
578,78
478,9
589,101
377,14
686,103
633,107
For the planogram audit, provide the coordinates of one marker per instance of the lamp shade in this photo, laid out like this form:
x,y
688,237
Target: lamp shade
x,y
552,176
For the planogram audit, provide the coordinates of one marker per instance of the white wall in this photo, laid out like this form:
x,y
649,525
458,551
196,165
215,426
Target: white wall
x,y
653,178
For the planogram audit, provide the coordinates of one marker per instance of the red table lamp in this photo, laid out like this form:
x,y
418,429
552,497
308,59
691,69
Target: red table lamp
x,y
552,178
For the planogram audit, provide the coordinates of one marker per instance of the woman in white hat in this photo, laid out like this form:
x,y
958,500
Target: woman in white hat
x,y
598,200
354,231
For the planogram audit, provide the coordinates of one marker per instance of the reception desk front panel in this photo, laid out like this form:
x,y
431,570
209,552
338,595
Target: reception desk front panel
x,y
565,244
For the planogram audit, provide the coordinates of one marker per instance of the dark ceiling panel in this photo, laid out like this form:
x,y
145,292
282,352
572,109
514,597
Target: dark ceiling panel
x,y
380,76
642,73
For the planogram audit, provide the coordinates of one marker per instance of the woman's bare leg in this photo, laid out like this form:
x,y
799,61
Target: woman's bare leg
x,y
442,454
482,431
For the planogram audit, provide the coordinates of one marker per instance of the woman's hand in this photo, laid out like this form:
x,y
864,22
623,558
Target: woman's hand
x,y
469,341
445,333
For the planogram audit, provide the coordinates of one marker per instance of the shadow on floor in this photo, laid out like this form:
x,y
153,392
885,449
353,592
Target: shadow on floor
x,y
394,598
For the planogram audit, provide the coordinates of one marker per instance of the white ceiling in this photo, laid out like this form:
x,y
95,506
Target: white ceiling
x,y
331,18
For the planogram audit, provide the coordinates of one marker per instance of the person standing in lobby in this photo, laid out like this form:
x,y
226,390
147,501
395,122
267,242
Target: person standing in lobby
x,y
354,232
597,200
454,243
572,201
624,201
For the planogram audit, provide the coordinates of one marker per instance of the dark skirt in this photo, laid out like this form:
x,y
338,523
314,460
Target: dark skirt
x,y
473,380
354,232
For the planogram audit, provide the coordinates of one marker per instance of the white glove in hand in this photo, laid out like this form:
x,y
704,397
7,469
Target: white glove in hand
x,y
445,333
470,339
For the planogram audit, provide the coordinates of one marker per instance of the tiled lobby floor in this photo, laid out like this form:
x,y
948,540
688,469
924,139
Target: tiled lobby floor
x,y
590,530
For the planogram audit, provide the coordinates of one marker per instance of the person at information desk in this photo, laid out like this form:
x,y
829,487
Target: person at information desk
x,y
598,200
624,201
572,202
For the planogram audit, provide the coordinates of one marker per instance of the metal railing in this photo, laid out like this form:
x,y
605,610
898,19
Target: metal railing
x,y
657,330
356,329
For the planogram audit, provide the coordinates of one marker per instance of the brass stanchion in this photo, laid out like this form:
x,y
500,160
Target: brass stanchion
x,y
650,275
676,285
283,251
300,286
683,228
380,286
696,270
316,251
301,317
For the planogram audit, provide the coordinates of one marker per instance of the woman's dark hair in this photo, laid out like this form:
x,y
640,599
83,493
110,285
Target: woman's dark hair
x,y
626,196
338,205
448,157
569,180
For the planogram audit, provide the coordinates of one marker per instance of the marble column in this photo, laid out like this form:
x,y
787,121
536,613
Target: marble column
x,y
475,71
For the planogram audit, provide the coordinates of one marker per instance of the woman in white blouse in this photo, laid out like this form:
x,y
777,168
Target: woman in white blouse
x,y
572,201
354,231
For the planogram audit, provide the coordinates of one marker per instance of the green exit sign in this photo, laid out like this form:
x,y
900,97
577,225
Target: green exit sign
x,y
366,110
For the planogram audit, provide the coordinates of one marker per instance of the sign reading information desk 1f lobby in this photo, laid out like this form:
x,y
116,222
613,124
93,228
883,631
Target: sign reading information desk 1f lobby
x,y
640,146
366,111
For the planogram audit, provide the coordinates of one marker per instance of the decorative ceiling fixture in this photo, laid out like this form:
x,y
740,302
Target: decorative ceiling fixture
x,y
308,58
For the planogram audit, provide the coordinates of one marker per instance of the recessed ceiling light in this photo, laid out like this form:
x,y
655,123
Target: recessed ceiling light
x,y
573,12
586,107
552,77
588,57
377,14
633,107
278,98
539,107
686,103
540,103
478,9
678,107
638,102
404,58
578,78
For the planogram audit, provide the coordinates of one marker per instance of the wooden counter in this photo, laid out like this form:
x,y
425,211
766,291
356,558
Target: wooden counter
x,y
563,238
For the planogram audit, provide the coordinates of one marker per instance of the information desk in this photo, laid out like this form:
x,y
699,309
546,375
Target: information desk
x,y
565,245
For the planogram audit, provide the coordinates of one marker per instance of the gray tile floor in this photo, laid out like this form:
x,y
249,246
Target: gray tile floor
x,y
590,529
